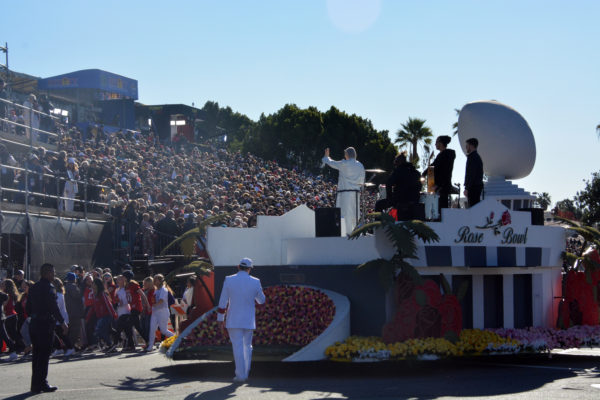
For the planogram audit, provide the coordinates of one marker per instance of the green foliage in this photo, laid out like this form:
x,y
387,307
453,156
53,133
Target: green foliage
x,y
421,297
570,205
543,200
445,284
187,241
296,137
402,235
199,267
589,200
412,134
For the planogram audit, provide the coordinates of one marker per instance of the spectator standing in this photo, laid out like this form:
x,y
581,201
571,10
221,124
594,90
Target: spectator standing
x,y
62,343
75,309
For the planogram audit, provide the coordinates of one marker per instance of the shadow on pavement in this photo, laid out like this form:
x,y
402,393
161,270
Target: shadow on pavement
x,y
422,380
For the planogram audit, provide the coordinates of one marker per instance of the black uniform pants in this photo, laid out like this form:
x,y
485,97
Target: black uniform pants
x,y
135,322
5,338
474,195
124,324
42,337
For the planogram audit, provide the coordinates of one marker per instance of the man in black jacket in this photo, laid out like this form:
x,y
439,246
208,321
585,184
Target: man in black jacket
x,y
442,170
473,174
44,313
402,189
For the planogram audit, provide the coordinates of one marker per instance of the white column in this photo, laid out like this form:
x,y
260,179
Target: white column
x,y
508,300
537,298
478,320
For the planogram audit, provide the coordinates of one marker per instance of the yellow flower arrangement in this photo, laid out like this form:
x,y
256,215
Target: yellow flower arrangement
x,y
168,342
471,341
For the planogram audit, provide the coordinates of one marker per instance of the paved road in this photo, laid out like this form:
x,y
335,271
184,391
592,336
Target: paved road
x,y
137,376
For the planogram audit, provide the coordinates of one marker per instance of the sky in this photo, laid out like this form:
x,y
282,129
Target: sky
x,y
385,60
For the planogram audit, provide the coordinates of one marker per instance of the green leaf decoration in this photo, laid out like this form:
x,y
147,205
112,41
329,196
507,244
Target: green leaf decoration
x,y
422,231
411,271
451,336
462,290
187,241
199,267
358,232
421,297
445,284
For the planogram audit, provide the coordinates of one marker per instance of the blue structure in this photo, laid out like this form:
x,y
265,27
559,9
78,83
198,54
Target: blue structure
x,y
113,94
106,85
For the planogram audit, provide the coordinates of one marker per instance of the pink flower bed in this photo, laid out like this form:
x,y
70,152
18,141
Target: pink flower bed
x,y
538,339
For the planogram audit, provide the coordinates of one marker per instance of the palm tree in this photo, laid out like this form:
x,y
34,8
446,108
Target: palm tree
x,y
413,132
455,125
187,244
402,235
544,200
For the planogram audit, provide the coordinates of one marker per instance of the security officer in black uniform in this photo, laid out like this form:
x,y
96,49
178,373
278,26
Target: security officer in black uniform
x,y
44,312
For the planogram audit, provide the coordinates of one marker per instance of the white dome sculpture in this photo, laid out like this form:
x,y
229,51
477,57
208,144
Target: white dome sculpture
x,y
506,143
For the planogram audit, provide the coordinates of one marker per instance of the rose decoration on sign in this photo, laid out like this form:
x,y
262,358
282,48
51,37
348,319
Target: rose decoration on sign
x,y
495,226
506,220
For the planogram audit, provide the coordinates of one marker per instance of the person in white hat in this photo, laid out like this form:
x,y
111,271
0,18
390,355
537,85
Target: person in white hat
x,y
240,292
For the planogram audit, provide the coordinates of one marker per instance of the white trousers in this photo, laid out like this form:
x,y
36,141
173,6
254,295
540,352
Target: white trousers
x,y
159,320
241,341
348,202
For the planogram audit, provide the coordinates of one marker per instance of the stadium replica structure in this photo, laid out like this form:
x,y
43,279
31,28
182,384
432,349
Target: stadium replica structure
x,y
500,246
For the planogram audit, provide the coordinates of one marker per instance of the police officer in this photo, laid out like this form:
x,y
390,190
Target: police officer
x,y
44,312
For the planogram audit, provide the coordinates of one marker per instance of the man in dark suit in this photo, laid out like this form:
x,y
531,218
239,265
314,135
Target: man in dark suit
x,y
442,170
44,312
473,174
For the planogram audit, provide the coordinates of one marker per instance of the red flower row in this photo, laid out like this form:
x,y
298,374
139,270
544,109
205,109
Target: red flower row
x,y
290,316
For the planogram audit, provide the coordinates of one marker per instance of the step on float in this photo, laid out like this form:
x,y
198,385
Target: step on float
x,y
296,323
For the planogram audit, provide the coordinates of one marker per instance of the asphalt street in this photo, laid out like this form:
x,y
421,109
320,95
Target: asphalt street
x,y
141,376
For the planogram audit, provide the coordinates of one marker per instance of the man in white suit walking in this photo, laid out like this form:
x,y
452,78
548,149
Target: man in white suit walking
x,y
240,291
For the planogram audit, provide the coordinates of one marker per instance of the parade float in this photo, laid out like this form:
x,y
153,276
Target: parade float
x,y
488,282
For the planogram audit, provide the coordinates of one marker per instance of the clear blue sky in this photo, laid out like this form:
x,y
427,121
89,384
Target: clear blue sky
x,y
385,61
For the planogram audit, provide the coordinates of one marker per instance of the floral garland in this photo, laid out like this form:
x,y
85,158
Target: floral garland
x,y
470,342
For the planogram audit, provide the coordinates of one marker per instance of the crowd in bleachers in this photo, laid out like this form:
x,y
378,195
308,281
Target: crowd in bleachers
x,y
158,190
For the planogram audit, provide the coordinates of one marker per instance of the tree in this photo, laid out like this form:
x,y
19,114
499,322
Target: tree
x,y
413,133
569,206
589,200
543,200
455,125
296,138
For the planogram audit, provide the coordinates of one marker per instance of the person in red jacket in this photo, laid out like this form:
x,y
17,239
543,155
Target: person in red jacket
x,y
137,301
104,312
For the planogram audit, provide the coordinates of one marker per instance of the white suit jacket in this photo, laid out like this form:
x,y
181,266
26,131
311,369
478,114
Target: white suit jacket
x,y
240,291
352,173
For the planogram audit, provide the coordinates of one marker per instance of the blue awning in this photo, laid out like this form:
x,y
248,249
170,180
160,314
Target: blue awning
x,y
92,79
